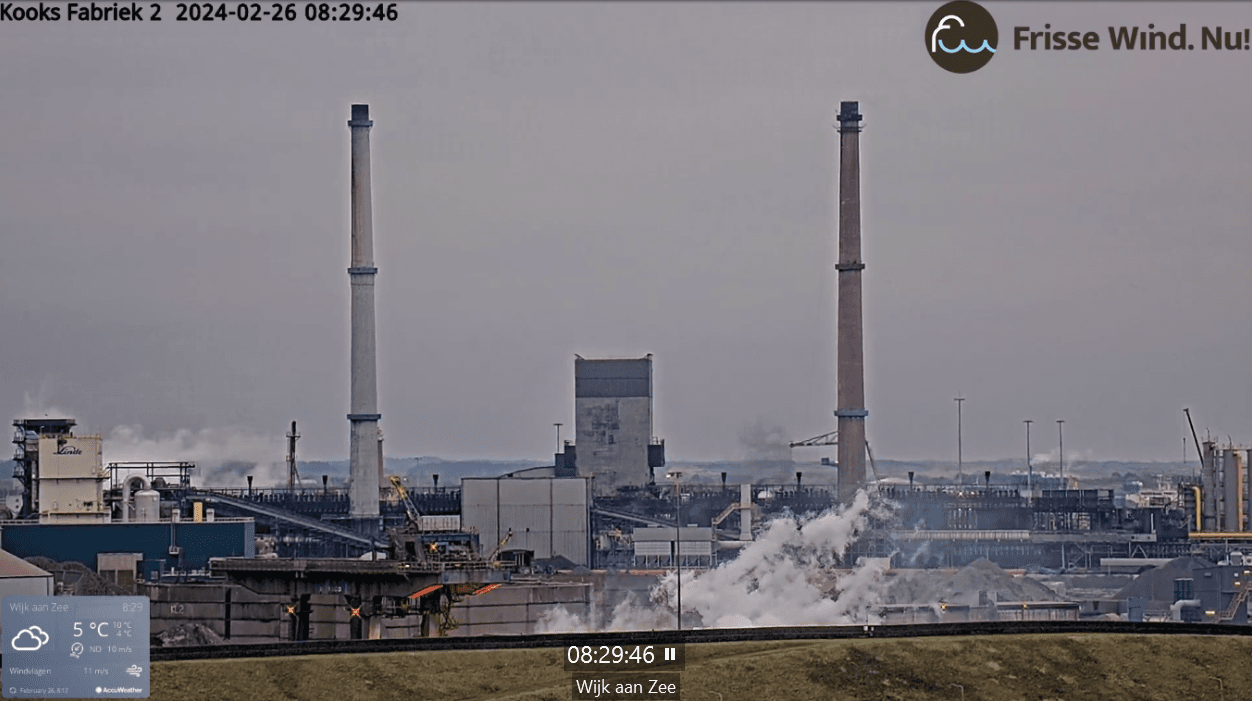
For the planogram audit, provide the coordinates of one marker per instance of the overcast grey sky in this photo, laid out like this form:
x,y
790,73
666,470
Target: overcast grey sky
x,y
1058,235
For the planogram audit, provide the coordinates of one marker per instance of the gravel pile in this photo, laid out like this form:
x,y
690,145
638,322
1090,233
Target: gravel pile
x,y
964,586
187,635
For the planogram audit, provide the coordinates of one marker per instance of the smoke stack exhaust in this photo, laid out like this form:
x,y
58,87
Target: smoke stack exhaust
x,y
363,453
851,368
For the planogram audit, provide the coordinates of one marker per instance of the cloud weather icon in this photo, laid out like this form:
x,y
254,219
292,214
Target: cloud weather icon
x,y
30,639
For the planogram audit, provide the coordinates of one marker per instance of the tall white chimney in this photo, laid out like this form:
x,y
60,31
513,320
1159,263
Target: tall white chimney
x,y
363,451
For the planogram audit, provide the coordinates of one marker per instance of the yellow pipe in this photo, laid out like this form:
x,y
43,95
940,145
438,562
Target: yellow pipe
x,y
1199,506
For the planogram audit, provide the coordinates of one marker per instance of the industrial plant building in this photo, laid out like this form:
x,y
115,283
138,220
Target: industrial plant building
x,y
497,554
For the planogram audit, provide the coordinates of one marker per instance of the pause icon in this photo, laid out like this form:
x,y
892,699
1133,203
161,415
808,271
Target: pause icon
x,y
671,655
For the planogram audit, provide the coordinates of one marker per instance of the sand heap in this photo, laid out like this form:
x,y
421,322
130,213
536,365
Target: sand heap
x,y
188,635
965,586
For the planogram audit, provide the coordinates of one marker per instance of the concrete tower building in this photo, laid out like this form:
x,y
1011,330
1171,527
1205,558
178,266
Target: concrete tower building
x,y
851,369
364,446
613,422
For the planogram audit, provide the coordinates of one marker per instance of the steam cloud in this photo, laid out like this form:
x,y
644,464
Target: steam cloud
x,y
780,579
223,456
1071,456
40,405
765,443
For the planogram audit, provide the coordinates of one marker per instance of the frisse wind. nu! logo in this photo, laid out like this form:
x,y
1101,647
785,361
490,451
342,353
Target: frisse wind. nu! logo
x,y
961,37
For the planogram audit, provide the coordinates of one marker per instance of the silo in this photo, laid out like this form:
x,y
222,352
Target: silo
x,y
147,506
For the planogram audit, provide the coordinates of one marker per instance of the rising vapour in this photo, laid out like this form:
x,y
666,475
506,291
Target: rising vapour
x,y
762,442
41,405
223,456
780,579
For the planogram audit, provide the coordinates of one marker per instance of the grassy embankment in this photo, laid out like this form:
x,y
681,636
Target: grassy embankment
x,y
1068,667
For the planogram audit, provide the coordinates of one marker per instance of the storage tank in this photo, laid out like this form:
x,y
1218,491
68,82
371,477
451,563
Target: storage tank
x,y
147,506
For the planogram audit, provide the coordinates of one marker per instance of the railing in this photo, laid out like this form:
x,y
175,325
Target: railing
x,y
5,523
961,535
313,493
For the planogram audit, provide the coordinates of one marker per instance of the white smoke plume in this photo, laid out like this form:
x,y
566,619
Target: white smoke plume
x,y
223,456
1071,457
761,442
780,579
41,405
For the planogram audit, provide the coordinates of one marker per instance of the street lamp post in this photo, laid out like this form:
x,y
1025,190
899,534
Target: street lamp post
x,y
959,466
678,543
1030,470
1060,432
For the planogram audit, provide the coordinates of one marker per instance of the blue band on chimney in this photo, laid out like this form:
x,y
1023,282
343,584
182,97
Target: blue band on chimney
x,y
851,413
364,417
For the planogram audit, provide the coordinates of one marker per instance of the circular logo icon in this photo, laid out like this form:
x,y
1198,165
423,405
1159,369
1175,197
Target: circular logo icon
x,y
961,36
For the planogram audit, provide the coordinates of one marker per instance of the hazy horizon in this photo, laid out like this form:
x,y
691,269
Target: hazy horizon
x,y
1059,235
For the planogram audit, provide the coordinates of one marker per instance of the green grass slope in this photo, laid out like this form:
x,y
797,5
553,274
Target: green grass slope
x,y
993,668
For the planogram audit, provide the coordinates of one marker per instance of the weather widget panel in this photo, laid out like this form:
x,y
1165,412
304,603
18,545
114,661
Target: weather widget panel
x,y
75,646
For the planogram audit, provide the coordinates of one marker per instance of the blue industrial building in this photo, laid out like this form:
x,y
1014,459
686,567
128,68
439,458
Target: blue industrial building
x,y
165,546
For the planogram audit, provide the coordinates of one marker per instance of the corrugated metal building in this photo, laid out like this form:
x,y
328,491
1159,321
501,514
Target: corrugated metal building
x,y
656,546
549,516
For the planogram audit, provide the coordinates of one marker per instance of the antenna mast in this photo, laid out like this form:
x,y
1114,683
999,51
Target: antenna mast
x,y
293,477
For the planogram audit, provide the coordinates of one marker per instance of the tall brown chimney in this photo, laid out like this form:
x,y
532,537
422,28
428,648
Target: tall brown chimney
x,y
851,361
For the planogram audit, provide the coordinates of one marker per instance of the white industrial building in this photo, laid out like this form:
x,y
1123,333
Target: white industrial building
x,y
549,516
656,546
71,480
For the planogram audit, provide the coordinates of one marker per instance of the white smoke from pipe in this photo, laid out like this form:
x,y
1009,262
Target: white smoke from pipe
x,y
1071,456
223,456
777,580
41,405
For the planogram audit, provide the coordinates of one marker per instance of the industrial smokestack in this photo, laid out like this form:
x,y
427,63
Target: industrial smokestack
x,y
851,368
363,455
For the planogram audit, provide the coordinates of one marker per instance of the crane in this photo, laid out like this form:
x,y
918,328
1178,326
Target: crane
x,y
491,556
832,438
414,516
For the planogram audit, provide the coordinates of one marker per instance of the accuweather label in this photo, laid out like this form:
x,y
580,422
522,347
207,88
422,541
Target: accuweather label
x,y
75,646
